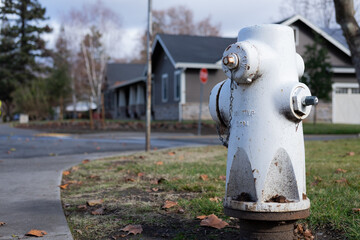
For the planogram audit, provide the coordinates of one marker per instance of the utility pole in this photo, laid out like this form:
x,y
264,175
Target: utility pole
x,y
148,89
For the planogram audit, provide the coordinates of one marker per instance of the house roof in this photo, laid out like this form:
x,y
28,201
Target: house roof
x,y
117,73
334,36
193,51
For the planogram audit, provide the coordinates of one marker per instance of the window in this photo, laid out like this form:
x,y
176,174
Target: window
x,y
177,82
355,91
341,90
296,35
164,87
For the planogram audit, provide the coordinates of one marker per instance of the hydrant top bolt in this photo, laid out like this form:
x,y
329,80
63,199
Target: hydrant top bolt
x,y
231,60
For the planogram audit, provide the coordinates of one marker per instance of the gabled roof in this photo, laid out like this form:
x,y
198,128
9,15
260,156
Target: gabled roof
x,y
335,39
193,51
122,73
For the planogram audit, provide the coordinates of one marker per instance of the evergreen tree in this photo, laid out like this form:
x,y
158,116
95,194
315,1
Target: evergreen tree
x,y
60,80
318,73
21,44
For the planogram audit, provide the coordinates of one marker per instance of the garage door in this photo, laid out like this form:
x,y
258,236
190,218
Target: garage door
x,y
346,103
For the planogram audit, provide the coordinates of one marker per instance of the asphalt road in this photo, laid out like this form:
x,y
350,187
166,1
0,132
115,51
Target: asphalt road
x,y
31,163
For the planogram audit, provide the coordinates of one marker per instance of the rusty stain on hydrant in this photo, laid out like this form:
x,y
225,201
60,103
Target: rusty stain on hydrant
x,y
269,104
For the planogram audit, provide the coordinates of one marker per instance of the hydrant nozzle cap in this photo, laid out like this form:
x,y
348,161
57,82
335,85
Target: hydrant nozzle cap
x,y
231,61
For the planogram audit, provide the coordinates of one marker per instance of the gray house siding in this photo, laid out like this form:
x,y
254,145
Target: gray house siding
x,y
190,109
306,37
169,109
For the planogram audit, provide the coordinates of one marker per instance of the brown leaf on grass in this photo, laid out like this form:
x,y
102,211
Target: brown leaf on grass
x,y
155,189
307,233
140,174
342,181
339,170
79,231
223,178
132,229
92,203
201,217
355,210
159,163
204,177
99,211
171,153
94,177
214,222
65,173
181,210
82,207
85,161
215,199
169,204
317,181
2,224
129,180
36,233
350,154
75,168
64,186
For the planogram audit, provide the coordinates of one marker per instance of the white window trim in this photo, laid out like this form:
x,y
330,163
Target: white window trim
x,y
296,35
177,73
164,77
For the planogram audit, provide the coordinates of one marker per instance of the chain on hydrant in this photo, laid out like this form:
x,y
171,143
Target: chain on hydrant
x,y
259,109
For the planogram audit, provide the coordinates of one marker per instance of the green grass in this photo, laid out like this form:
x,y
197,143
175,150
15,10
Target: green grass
x,y
330,128
127,186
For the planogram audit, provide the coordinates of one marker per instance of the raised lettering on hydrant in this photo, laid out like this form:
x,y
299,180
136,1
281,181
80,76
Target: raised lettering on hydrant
x,y
262,105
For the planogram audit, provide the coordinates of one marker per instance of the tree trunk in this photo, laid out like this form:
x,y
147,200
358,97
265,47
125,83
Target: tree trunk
x,y
344,10
61,114
91,117
102,111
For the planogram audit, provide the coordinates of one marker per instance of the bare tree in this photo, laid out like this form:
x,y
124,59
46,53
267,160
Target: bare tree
x,y
179,20
345,16
92,30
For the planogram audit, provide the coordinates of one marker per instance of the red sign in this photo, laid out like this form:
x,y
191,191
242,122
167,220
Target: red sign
x,y
203,75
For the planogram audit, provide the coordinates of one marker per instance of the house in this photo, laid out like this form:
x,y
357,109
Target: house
x,y
125,94
177,60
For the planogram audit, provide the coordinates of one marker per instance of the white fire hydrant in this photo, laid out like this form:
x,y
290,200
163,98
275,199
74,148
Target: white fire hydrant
x,y
262,105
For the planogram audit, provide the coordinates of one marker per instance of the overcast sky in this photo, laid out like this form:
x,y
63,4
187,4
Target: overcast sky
x,y
232,14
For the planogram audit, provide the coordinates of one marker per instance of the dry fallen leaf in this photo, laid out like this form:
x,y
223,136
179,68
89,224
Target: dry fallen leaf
x,y
350,154
339,170
215,199
355,210
132,229
78,231
129,180
181,210
140,174
171,153
169,204
75,168
64,186
204,177
317,181
155,189
94,202
201,217
159,163
65,173
343,180
98,211
85,161
2,224
82,207
307,233
213,221
36,233
222,178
